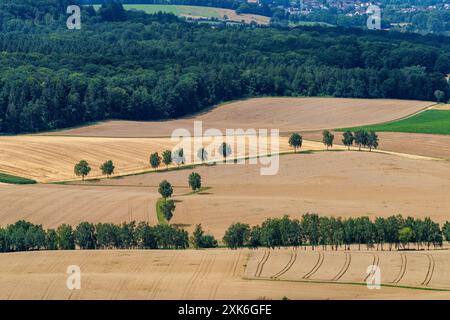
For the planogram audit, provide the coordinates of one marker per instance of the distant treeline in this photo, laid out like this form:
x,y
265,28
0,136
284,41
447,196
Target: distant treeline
x,y
311,230
314,230
130,65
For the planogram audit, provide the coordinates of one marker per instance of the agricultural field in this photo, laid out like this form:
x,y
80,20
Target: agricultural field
x,y
204,154
430,121
199,12
421,144
50,157
223,274
285,114
336,183
397,179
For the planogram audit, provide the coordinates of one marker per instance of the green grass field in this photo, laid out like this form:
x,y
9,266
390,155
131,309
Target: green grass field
x,y
6,178
195,11
159,211
430,121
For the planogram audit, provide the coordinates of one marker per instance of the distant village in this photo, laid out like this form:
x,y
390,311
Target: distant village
x,y
351,7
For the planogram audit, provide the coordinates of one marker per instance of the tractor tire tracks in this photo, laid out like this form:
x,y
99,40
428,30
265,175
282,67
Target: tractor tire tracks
x,y
348,260
430,271
288,266
316,266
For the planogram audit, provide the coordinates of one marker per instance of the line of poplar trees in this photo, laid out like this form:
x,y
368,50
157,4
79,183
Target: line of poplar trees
x,y
26,236
310,230
313,230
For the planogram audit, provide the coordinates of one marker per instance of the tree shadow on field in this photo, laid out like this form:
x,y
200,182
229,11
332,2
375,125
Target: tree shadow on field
x,y
181,225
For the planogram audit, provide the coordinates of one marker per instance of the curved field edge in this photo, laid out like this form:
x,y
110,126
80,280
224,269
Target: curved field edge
x,y
429,122
288,114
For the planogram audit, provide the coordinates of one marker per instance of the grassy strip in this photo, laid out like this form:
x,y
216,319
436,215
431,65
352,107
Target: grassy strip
x,y
430,121
351,283
159,211
7,178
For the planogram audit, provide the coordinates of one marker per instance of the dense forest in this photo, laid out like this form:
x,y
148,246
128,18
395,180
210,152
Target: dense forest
x,y
131,65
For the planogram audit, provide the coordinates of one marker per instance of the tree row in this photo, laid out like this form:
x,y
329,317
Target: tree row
x,y
314,230
25,236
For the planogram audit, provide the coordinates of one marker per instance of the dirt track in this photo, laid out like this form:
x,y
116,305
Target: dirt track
x,y
203,274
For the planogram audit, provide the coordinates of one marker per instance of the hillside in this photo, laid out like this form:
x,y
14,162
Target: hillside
x,y
283,113
133,66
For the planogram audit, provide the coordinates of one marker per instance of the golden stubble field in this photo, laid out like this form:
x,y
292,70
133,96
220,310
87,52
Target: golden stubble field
x,y
285,114
51,157
338,183
224,274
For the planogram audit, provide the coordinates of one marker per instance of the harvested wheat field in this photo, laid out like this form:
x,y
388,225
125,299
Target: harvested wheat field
x,y
53,158
211,274
328,183
427,145
49,159
421,269
285,114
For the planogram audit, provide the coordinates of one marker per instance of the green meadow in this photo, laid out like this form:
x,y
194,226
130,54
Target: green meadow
x,y
430,121
7,178
195,11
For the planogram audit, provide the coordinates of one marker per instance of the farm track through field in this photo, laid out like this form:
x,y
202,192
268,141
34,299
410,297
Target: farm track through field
x,y
375,262
404,261
430,270
348,260
288,266
261,263
316,266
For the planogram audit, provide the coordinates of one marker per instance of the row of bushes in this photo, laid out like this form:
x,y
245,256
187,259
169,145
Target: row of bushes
x,y
395,231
